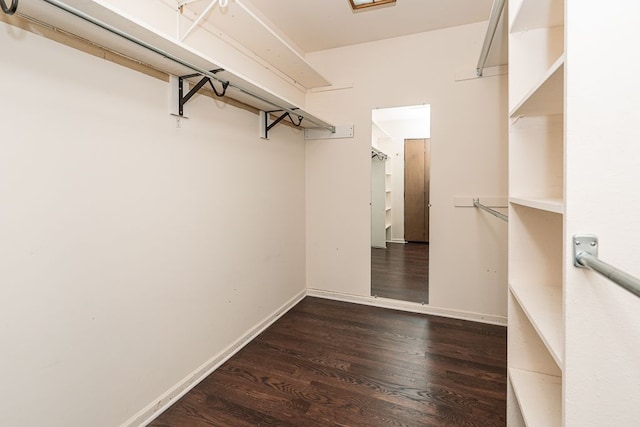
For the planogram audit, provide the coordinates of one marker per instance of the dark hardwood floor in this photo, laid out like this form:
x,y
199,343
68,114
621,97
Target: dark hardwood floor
x,y
329,363
401,272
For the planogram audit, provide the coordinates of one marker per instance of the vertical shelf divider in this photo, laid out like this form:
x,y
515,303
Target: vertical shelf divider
x,y
536,212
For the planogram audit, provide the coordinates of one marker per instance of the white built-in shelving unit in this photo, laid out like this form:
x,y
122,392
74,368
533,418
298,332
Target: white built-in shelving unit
x,y
387,201
380,199
536,186
381,186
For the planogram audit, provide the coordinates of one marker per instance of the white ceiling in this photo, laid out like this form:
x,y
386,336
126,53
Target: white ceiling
x,y
323,24
412,112
404,122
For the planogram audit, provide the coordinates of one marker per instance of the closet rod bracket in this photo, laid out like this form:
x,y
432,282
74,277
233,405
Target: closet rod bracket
x,y
184,98
265,126
11,9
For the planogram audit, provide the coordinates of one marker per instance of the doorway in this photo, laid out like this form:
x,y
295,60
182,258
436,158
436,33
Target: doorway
x,y
417,166
400,182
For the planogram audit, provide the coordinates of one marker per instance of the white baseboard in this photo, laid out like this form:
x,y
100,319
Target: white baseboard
x,y
161,404
158,406
413,307
397,241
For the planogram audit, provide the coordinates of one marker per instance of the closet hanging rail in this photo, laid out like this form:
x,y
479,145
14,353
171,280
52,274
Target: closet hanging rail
x,y
494,19
585,253
199,70
378,154
477,204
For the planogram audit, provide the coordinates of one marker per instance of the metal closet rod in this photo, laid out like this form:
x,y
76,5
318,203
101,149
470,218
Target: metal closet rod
x,y
496,12
173,58
379,154
585,254
477,204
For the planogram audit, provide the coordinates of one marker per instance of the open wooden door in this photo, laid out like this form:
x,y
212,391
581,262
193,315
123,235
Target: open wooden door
x,y
417,168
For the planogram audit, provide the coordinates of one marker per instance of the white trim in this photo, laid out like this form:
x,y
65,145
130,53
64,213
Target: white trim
x,y
412,307
397,241
161,404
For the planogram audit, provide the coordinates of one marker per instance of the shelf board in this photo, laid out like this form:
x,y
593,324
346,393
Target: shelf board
x,y
539,396
548,204
243,23
547,96
534,14
186,53
543,307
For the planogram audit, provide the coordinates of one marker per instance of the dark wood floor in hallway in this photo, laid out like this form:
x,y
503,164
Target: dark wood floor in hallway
x,y
401,271
329,363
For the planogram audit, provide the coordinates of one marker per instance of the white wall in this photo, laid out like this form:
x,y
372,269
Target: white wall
x,y
469,149
131,251
601,378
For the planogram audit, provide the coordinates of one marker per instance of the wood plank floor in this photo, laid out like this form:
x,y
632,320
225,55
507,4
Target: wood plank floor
x,y
329,363
401,272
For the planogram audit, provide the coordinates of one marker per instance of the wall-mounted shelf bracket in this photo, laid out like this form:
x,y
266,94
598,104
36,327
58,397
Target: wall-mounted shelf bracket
x,y
265,127
182,98
11,9
203,15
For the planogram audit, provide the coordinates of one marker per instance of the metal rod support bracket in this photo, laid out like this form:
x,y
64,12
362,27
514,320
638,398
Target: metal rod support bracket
x,y
265,126
202,16
584,244
11,9
183,99
585,255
